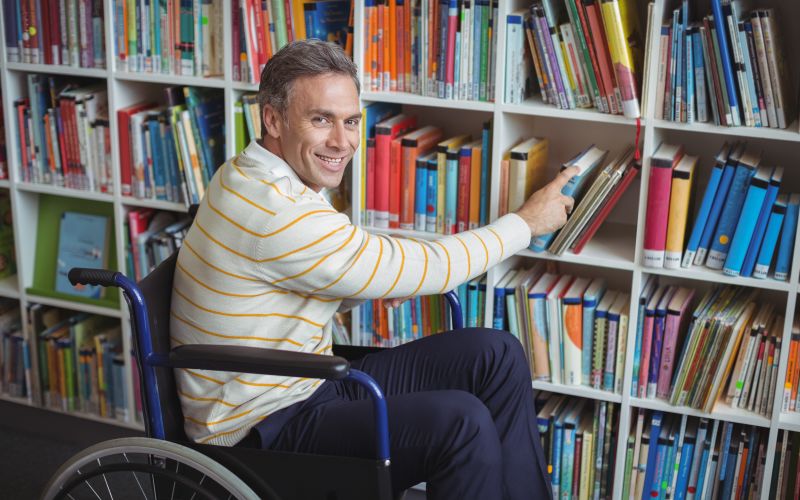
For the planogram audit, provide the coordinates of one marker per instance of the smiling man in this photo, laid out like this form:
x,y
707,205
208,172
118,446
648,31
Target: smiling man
x,y
267,263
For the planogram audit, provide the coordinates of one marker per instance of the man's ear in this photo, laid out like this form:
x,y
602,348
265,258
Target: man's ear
x,y
271,121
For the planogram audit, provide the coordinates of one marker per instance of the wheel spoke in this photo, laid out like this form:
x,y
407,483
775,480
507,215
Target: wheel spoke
x,y
105,480
177,466
90,486
199,483
135,477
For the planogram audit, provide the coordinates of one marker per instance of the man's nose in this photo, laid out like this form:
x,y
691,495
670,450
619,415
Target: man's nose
x,y
338,137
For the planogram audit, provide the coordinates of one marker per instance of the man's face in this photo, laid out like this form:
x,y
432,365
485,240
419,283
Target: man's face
x,y
320,133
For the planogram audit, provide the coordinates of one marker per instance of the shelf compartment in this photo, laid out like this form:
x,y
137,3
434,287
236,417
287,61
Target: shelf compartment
x,y
721,411
418,100
789,421
713,276
154,204
55,69
578,390
535,107
74,306
613,246
9,287
32,187
787,134
166,79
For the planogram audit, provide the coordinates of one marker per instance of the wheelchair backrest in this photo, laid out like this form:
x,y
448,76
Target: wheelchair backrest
x,y
156,288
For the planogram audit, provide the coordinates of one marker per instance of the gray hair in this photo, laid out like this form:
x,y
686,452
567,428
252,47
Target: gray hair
x,y
299,59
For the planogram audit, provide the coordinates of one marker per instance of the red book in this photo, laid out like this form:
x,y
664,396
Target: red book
x,y
657,214
395,182
452,27
370,188
464,171
603,57
260,50
125,155
21,106
138,220
385,132
236,13
592,55
415,144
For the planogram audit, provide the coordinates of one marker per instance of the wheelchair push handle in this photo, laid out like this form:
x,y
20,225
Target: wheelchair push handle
x,y
88,276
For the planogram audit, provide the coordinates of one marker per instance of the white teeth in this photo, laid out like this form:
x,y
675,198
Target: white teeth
x,y
329,159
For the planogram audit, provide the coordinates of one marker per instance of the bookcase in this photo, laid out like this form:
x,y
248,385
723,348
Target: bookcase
x,y
615,252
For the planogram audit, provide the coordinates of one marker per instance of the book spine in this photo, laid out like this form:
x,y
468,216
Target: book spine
x,y
658,195
751,208
729,216
786,247
702,215
727,67
680,194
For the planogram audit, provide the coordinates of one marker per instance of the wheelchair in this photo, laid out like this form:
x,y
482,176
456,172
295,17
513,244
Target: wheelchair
x,y
166,464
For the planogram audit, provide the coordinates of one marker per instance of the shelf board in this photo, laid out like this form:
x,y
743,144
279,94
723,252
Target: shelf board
x,y
433,102
5,183
789,134
535,107
58,70
789,421
578,390
721,411
76,306
405,233
79,414
154,204
9,287
704,274
612,247
167,79
247,86
66,192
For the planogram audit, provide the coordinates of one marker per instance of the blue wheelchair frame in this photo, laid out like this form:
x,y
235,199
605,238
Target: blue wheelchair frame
x,y
244,359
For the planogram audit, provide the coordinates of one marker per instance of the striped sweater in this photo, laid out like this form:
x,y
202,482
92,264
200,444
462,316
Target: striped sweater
x,y
268,262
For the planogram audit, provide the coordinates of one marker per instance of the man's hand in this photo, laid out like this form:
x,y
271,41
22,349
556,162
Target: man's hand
x,y
387,303
546,210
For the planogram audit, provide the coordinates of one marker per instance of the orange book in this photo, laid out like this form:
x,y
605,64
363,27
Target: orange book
x,y
475,186
465,203
502,209
414,145
391,31
400,40
386,153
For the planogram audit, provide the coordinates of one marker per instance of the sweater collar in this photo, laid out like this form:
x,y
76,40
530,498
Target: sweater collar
x,y
277,166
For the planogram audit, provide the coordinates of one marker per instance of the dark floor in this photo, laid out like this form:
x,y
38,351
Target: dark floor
x,y
34,443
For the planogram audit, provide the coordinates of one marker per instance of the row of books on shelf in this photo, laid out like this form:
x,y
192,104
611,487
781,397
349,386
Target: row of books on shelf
x,y
584,53
55,32
386,326
64,134
596,190
431,48
170,36
744,226
247,121
262,28
671,456
574,330
680,332
579,442
726,67
150,238
418,178
170,152
786,466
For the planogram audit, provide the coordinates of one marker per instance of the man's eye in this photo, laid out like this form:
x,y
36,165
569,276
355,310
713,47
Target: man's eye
x,y
351,123
320,119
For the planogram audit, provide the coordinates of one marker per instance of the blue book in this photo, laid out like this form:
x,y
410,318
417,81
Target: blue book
x,y
499,317
568,448
699,76
591,297
728,473
451,192
421,191
701,476
761,223
725,466
157,158
433,189
668,465
704,211
770,243
786,247
654,489
327,20
655,432
463,298
558,443
659,325
682,64
82,242
684,467
486,149
481,301
647,291
731,160
748,70
751,209
727,66
674,68
472,303
718,251
587,162
691,33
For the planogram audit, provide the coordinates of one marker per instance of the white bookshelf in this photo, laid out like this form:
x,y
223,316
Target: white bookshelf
x,y
615,252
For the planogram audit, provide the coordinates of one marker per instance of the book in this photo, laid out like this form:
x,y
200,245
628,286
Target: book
x,y
662,163
82,242
761,223
771,235
751,210
680,191
783,260
527,170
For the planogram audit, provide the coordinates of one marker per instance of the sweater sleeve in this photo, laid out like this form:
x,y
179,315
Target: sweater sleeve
x,y
314,249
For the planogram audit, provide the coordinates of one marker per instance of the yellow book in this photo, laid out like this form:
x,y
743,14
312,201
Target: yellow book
x,y
475,187
363,194
682,176
621,30
441,175
527,170
298,19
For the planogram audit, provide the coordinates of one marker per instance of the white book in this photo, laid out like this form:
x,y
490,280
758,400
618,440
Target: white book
x,y
554,328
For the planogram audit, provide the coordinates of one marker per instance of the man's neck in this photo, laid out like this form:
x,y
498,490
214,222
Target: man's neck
x,y
274,147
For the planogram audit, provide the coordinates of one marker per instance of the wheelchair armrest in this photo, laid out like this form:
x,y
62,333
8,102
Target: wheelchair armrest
x,y
354,352
258,360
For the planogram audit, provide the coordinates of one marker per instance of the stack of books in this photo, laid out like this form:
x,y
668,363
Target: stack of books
x,y
579,442
150,238
432,48
59,32
262,28
64,134
727,67
573,329
419,178
743,223
585,54
686,457
171,152
786,471
680,332
419,317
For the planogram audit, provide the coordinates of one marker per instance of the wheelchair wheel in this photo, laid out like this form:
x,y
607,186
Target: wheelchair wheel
x,y
144,468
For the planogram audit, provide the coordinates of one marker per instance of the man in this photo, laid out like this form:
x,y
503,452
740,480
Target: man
x,y
268,262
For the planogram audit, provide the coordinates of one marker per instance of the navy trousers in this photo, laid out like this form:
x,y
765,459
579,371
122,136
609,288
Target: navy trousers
x,y
461,417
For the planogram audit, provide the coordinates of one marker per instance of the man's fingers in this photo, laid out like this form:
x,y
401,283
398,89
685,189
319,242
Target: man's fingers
x,y
569,203
564,176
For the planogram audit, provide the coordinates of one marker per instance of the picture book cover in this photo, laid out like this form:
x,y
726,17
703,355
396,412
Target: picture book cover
x,y
82,242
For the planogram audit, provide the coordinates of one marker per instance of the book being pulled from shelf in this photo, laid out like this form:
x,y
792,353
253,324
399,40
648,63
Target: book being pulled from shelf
x,y
728,68
785,481
171,152
432,48
64,134
150,238
176,37
579,442
573,329
421,316
744,226
584,54
689,457
61,32
261,29
681,332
